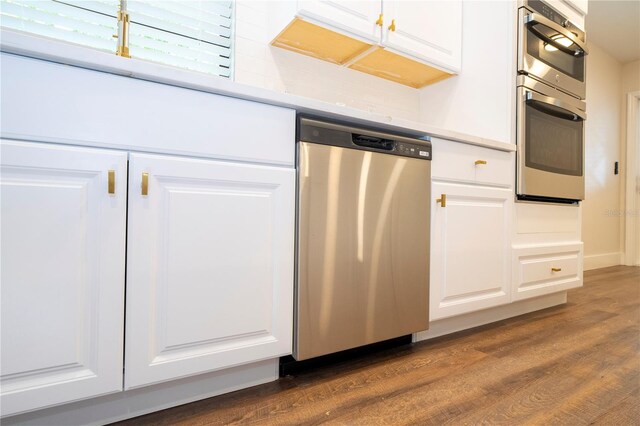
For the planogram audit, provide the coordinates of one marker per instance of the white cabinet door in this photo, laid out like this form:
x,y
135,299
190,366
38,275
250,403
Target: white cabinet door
x,y
470,249
427,30
356,18
63,242
209,266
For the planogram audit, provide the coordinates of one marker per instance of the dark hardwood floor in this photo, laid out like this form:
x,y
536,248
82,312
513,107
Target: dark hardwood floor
x,y
574,364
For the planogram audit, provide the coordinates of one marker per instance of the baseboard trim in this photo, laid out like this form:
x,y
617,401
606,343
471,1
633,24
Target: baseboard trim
x,y
603,260
487,316
137,402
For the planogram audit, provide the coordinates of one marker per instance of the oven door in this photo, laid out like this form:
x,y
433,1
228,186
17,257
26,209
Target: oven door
x,y
551,53
550,148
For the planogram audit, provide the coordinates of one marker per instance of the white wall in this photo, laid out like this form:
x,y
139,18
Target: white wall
x,y
630,83
631,77
257,63
601,216
479,100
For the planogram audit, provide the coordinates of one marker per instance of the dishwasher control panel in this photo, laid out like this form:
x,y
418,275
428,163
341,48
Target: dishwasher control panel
x,y
310,130
411,150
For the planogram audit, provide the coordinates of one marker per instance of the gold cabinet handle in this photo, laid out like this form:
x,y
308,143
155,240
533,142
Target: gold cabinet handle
x,y
392,27
111,183
478,162
145,183
556,269
380,20
442,200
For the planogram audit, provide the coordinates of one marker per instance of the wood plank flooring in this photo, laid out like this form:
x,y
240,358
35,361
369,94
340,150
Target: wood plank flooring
x,y
575,364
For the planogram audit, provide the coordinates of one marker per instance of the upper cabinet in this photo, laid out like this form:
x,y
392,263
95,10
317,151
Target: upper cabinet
x,y
412,43
354,18
427,30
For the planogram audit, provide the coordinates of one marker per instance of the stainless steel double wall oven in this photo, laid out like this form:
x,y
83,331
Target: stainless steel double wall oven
x,y
551,110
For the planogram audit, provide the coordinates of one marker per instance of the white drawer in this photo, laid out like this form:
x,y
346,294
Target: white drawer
x,y
461,162
540,270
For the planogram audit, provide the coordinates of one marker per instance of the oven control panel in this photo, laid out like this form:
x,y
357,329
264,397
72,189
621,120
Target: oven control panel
x,y
547,11
550,13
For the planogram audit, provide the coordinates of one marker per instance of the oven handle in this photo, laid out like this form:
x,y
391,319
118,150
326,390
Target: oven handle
x,y
573,111
535,18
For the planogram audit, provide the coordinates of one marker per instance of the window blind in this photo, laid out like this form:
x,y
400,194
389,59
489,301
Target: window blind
x,y
92,24
190,34
196,35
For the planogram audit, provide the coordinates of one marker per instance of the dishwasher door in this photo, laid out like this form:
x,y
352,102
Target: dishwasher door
x,y
363,248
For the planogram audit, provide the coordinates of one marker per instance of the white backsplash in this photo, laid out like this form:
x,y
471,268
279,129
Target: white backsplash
x,y
257,63
479,101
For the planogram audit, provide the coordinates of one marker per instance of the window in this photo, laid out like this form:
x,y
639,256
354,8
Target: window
x,y
196,35
91,25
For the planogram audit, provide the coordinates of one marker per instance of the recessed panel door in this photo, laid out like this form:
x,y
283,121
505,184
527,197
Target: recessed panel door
x,y
357,18
210,266
470,249
63,252
428,30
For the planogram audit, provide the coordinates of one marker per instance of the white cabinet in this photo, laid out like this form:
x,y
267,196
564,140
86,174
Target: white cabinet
x,y
410,42
470,245
547,251
427,30
357,18
471,229
210,266
209,270
209,251
545,269
63,254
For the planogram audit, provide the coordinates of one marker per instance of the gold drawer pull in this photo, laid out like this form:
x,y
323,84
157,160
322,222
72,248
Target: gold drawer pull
x,y
111,184
145,183
442,200
478,162
392,27
380,21
556,269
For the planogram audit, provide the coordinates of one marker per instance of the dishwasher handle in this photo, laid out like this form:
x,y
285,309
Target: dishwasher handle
x,y
373,142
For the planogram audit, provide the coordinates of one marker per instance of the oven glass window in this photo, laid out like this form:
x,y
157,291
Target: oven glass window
x,y
553,144
562,61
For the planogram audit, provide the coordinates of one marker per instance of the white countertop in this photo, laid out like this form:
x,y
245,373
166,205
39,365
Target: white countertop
x,y
66,53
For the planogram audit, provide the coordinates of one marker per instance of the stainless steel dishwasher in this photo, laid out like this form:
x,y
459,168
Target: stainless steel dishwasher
x,y
362,237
